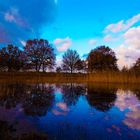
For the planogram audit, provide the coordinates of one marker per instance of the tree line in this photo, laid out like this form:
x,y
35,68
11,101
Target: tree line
x,y
39,55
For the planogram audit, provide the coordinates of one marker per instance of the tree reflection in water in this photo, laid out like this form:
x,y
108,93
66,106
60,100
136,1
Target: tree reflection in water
x,y
137,93
102,98
11,95
35,100
22,107
39,101
72,92
17,102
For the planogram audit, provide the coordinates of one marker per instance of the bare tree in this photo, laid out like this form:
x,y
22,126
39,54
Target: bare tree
x,y
71,61
58,69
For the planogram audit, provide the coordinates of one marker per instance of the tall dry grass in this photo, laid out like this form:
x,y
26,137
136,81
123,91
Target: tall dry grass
x,y
99,77
114,77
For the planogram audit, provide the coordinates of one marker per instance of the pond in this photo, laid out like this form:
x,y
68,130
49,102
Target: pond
x,y
69,112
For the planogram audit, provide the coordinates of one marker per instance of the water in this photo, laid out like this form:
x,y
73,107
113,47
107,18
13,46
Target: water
x,y
69,112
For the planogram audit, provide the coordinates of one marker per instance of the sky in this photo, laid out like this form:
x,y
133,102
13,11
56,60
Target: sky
x,y
81,25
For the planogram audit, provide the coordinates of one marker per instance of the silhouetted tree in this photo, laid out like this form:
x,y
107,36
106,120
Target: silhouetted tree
x,y
11,58
81,65
58,69
137,64
71,61
40,54
124,69
136,67
102,58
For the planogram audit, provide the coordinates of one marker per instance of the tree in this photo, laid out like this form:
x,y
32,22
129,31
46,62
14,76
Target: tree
x,y
71,61
58,69
81,65
40,54
102,58
125,69
11,58
136,66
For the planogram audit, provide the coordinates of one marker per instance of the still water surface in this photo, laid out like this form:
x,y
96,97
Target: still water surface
x,y
68,112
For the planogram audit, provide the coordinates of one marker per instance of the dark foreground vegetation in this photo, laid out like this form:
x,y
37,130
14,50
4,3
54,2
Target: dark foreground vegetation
x,y
36,61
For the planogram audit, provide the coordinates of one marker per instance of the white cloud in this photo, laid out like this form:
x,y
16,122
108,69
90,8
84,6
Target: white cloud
x,y
12,15
92,42
122,25
59,62
108,38
129,50
9,17
115,27
63,44
125,37
23,42
132,37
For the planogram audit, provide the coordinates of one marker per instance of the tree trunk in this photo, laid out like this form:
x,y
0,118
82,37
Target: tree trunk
x,y
71,71
36,67
43,66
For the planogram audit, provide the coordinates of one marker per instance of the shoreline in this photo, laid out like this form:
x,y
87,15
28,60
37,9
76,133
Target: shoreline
x,y
99,77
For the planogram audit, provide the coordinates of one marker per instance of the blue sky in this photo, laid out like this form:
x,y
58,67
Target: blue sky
x,y
75,24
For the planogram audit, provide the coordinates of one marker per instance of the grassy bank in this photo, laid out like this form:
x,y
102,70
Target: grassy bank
x,y
100,77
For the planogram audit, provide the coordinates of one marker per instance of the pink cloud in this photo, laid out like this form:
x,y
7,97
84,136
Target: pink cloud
x,y
129,51
122,25
109,38
58,113
62,109
62,106
63,44
13,16
58,41
9,17
127,100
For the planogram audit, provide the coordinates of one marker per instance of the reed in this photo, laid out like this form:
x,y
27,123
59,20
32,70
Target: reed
x,y
99,77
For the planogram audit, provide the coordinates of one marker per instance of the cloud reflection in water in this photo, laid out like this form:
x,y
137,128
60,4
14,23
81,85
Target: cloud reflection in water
x,y
127,100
